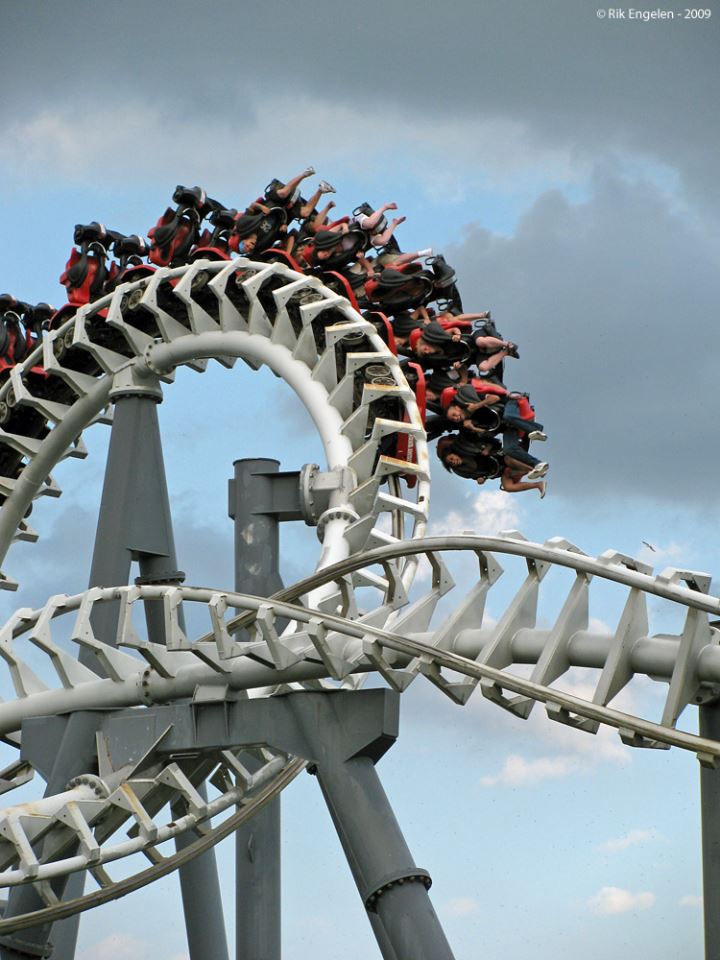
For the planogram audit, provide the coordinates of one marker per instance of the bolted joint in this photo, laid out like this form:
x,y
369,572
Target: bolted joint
x,y
90,780
318,490
308,503
347,514
416,875
146,696
152,365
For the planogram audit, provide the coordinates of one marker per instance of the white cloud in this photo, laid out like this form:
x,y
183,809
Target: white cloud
x,y
690,901
460,907
117,946
123,946
48,140
612,900
519,772
565,742
631,839
487,513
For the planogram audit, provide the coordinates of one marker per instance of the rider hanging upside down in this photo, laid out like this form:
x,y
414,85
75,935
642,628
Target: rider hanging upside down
x,y
287,195
459,405
482,460
416,307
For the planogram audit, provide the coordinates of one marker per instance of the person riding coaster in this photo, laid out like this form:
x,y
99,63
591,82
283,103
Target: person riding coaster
x,y
470,404
482,460
398,288
460,406
333,250
374,226
13,342
287,196
256,232
470,459
463,408
434,347
215,244
405,322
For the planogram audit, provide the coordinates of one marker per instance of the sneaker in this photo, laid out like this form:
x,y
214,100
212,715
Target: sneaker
x,y
512,351
543,489
325,187
427,252
309,171
537,435
538,471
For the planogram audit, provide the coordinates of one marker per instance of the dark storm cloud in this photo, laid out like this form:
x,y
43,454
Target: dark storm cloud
x,y
553,67
614,304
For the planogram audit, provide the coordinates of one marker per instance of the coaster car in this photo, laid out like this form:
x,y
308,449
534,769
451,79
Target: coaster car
x,y
397,289
86,272
266,228
178,230
215,244
130,252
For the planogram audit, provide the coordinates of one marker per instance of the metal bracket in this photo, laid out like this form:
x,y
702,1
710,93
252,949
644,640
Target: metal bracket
x,y
304,494
132,380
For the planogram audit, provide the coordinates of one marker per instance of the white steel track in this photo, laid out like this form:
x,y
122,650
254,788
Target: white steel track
x,y
363,610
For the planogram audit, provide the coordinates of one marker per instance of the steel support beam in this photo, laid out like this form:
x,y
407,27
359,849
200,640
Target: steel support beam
x,y
257,497
342,735
393,889
134,524
710,826
69,753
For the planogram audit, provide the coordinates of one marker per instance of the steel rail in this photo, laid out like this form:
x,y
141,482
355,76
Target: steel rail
x,y
525,549
121,888
160,690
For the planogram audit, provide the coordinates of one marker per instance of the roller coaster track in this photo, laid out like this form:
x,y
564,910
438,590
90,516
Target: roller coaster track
x,y
374,603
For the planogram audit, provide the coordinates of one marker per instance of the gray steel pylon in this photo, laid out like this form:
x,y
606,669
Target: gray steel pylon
x,y
257,844
75,755
346,734
710,833
134,523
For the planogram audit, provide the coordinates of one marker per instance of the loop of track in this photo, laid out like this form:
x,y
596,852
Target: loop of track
x,y
263,313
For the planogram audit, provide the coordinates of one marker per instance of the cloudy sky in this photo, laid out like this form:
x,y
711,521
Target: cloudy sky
x,y
566,164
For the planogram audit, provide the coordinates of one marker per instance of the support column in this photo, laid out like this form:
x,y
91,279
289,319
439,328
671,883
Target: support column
x,y
341,734
76,754
710,826
257,843
134,523
392,887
